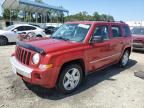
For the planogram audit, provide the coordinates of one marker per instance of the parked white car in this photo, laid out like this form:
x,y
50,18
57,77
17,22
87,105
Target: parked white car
x,y
11,33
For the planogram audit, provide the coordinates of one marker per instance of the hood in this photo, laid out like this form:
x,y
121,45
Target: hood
x,y
2,31
52,45
138,37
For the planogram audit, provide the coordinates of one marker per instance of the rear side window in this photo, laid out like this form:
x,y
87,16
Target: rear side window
x,y
116,31
126,31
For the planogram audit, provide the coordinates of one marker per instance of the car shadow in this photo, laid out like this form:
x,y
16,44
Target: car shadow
x,y
11,43
91,80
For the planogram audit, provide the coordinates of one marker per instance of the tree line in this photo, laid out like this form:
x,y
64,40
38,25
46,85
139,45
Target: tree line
x,y
84,16
81,16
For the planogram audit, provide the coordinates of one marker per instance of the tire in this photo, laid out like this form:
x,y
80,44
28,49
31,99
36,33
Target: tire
x,y
124,59
70,78
3,40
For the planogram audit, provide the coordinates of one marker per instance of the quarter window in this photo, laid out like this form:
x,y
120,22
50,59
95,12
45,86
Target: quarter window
x,y
116,31
126,31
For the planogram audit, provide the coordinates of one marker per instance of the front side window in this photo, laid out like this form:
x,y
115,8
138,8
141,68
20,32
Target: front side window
x,y
116,31
102,31
72,32
20,28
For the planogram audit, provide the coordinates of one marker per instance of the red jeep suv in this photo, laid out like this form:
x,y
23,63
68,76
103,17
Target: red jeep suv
x,y
138,38
71,53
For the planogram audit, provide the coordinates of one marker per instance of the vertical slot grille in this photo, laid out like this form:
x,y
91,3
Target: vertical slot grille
x,y
23,55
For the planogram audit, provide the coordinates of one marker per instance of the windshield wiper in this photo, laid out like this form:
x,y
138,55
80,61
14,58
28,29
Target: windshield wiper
x,y
65,39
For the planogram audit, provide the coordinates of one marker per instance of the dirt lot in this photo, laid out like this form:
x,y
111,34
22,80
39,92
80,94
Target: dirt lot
x,y
111,88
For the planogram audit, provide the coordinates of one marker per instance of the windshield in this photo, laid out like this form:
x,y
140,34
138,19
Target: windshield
x,y
138,31
72,32
9,27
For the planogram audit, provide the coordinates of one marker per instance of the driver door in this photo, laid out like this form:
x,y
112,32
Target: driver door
x,y
99,54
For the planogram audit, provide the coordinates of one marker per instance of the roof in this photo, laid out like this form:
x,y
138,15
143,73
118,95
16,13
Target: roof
x,y
98,22
28,5
17,25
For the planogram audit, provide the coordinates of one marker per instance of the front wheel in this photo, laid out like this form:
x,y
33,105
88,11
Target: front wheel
x,y
70,78
125,59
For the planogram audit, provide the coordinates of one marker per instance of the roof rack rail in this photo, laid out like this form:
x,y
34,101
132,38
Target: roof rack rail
x,y
116,21
122,21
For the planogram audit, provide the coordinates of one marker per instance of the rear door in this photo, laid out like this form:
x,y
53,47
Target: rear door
x,y
30,29
117,41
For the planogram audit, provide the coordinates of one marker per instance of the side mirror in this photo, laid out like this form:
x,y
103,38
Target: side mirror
x,y
96,39
15,30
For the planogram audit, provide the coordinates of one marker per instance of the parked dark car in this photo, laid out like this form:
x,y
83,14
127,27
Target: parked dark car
x,y
50,29
138,38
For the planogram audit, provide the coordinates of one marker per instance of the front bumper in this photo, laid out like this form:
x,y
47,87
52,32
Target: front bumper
x,y
138,46
19,68
35,76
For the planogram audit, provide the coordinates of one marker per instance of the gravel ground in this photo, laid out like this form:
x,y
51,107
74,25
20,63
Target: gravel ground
x,y
110,88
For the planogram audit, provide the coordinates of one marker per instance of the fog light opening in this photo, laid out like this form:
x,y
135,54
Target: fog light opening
x,y
37,76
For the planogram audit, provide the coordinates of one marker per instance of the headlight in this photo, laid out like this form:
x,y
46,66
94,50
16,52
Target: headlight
x,y
36,58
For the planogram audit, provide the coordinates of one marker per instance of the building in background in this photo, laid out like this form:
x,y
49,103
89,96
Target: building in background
x,y
33,12
135,23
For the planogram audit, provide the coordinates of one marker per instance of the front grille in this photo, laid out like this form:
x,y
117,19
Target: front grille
x,y
138,45
23,55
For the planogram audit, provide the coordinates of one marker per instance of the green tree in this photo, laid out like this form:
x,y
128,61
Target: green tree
x,y
84,16
14,14
110,18
105,17
6,14
96,16
1,17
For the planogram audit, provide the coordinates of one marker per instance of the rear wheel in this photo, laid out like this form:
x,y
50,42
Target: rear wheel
x,y
3,40
125,59
70,78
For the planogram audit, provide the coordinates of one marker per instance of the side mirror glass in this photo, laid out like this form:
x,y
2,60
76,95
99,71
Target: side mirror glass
x,y
96,39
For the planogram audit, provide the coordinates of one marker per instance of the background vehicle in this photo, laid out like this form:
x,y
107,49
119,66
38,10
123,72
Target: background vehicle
x,y
71,53
138,38
50,29
10,33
